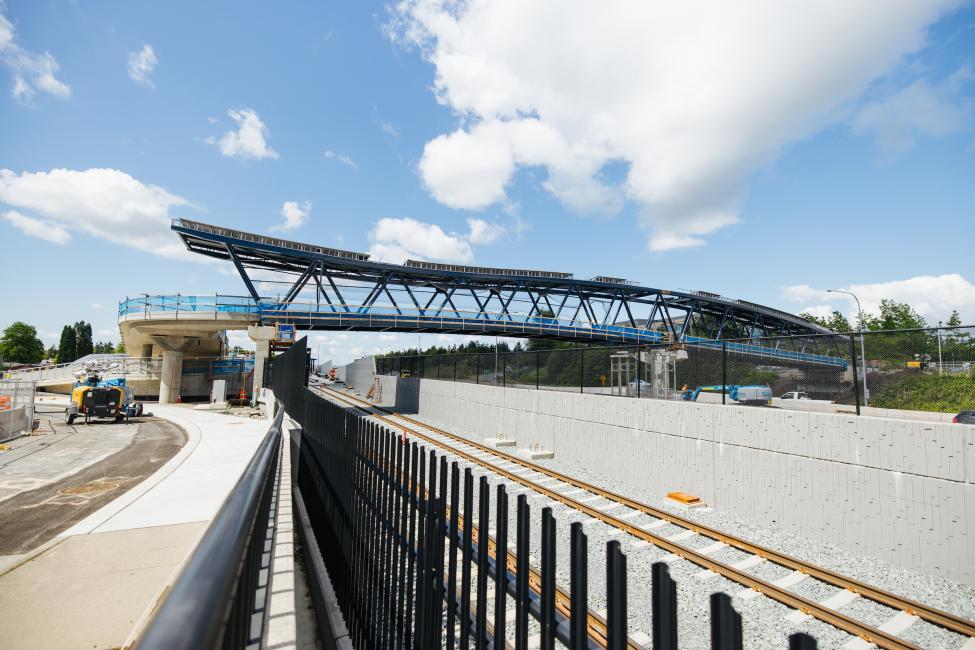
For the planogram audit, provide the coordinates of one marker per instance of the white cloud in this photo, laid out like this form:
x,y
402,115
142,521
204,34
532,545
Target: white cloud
x,y
96,306
37,228
483,232
918,109
295,215
30,71
388,128
820,311
249,141
932,296
396,240
141,64
212,120
341,157
105,203
693,98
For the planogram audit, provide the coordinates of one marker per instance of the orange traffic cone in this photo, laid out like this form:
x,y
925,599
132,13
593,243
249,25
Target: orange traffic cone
x,y
243,394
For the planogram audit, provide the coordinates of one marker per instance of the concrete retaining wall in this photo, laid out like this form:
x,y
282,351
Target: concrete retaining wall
x,y
899,490
359,374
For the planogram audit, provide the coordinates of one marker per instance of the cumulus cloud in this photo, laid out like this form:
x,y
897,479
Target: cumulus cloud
x,y
295,215
396,240
37,228
341,157
141,65
30,71
105,203
483,232
921,108
932,296
691,99
249,141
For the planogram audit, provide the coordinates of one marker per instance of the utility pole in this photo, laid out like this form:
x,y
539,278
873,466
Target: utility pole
x,y
863,354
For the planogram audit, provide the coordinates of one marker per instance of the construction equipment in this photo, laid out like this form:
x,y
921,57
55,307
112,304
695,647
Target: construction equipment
x,y
94,398
753,395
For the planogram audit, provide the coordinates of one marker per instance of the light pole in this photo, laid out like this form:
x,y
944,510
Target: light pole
x,y
863,355
319,353
941,368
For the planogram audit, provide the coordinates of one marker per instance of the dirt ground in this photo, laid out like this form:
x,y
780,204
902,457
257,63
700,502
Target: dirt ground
x,y
35,516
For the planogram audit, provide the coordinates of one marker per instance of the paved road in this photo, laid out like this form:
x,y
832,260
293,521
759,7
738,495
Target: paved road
x,y
123,456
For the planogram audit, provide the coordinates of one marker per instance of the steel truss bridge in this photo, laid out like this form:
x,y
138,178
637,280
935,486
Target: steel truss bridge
x,y
322,288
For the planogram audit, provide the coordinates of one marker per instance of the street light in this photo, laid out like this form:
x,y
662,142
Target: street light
x,y
863,356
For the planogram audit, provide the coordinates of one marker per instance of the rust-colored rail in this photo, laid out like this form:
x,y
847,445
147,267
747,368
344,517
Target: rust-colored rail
x,y
882,639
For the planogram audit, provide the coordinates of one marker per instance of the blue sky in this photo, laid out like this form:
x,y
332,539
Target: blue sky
x,y
761,156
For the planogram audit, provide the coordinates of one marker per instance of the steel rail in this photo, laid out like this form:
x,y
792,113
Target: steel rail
x,y
932,615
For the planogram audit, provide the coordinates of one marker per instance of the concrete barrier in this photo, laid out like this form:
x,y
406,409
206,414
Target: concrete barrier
x,y
900,490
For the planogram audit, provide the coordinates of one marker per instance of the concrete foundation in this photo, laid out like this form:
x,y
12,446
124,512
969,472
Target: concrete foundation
x,y
900,490
171,377
261,335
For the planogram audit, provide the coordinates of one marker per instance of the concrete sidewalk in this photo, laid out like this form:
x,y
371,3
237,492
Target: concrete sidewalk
x,y
95,584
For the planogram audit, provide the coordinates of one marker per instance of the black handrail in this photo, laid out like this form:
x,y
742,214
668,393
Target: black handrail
x,y
211,603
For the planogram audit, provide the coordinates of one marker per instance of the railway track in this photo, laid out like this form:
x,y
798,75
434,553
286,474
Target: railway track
x,y
575,494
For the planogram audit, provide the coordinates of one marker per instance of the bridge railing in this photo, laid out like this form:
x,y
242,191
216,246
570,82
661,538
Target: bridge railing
x,y
222,589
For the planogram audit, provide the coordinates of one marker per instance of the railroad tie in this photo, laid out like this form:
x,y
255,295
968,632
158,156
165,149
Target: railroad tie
x,y
841,598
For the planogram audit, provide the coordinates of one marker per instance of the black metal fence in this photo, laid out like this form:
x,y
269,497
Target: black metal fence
x,y
220,597
404,538
929,370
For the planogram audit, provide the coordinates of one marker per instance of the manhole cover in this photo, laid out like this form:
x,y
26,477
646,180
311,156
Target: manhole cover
x,y
89,488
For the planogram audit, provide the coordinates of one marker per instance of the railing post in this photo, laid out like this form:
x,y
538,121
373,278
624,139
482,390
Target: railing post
x,y
579,589
477,367
480,627
856,376
500,567
615,596
801,641
724,370
538,355
582,369
725,623
504,369
664,606
547,606
521,584
455,366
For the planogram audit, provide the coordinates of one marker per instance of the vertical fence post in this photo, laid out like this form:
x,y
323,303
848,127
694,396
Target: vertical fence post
x,y
801,641
664,605
856,376
579,588
615,596
582,369
639,378
725,623
521,580
452,556
477,367
500,567
547,606
504,369
724,371
537,364
455,366
480,628
465,574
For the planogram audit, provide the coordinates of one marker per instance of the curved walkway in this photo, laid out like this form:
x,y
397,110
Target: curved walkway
x,y
94,584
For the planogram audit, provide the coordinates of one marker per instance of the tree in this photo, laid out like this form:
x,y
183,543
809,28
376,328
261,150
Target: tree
x,y
84,345
120,348
20,344
51,353
104,347
954,320
894,316
68,345
836,321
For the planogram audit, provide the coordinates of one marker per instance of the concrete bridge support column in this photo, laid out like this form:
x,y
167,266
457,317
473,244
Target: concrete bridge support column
x,y
171,375
261,335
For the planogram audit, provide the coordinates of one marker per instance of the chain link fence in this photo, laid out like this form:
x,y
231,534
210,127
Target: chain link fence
x,y
16,408
926,374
